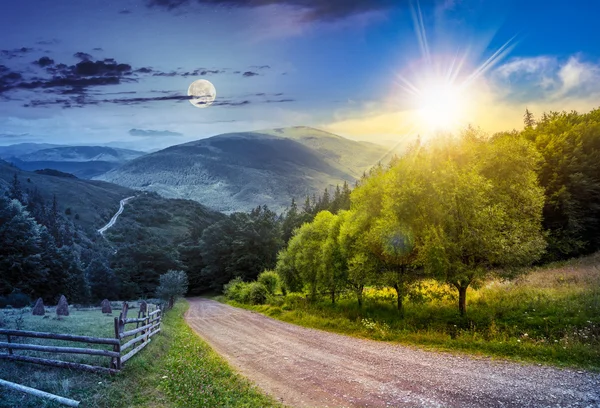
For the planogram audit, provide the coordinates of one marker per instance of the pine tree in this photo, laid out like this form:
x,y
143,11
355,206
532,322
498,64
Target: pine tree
x,y
528,119
307,207
15,192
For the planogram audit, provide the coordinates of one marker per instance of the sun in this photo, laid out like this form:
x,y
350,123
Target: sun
x,y
440,106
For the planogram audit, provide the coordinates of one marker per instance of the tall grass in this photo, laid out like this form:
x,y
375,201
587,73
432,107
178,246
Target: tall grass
x,y
551,315
177,369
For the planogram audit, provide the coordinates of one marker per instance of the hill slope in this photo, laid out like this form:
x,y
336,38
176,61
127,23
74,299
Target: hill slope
x,y
82,161
19,149
92,203
239,171
81,154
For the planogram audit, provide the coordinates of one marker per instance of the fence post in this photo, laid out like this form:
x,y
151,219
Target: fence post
x,y
146,315
8,341
117,347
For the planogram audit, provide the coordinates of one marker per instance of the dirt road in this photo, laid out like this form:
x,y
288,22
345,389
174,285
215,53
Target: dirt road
x,y
304,367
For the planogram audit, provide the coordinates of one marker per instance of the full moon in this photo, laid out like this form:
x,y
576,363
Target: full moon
x,y
203,93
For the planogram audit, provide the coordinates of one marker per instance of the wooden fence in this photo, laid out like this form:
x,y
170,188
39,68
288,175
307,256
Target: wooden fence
x,y
147,325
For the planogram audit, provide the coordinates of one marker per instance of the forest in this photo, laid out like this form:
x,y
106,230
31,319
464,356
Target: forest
x,y
457,210
454,209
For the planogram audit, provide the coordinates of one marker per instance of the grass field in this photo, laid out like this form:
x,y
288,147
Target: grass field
x,y
177,369
551,316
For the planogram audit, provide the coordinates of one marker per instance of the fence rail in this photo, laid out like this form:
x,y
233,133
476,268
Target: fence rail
x,y
150,325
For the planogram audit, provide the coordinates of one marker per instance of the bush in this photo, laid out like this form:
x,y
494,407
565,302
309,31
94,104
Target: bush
x,y
257,293
294,300
233,290
270,279
254,293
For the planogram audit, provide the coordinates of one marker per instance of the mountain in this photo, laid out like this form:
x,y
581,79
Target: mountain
x,y
16,150
82,154
82,161
90,204
239,171
93,201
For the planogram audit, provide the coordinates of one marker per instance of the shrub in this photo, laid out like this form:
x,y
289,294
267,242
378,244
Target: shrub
x,y
257,293
233,290
270,279
294,300
254,293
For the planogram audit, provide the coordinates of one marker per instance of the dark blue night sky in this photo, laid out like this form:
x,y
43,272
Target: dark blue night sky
x,y
89,71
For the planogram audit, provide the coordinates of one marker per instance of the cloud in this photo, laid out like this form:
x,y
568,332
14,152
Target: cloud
x,y
249,74
84,56
53,41
314,10
153,133
65,79
97,49
125,11
495,102
185,74
77,99
547,78
15,53
44,62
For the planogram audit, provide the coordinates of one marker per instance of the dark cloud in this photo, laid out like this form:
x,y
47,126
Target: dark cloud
x,y
53,41
261,66
153,133
315,9
108,67
196,72
44,62
84,56
97,49
15,53
81,100
250,74
68,80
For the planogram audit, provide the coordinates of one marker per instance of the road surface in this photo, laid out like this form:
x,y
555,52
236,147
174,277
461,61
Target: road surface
x,y
311,368
114,217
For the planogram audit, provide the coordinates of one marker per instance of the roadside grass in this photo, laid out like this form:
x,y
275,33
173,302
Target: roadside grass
x,y
549,316
177,369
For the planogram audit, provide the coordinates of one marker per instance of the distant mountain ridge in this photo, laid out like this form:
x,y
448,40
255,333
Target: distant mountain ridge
x,y
82,161
82,154
239,171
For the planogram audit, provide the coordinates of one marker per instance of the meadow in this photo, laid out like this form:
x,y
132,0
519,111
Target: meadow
x,y
177,369
550,315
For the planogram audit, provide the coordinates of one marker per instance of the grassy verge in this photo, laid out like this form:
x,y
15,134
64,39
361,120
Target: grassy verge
x,y
550,316
177,369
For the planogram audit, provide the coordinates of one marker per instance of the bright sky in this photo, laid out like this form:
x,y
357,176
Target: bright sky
x,y
100,71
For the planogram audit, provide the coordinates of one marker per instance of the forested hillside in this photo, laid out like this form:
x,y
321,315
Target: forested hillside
x,y
241,171
49,244
458,210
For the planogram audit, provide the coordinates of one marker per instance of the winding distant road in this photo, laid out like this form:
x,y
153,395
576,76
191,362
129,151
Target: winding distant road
x,y
311,368
114,217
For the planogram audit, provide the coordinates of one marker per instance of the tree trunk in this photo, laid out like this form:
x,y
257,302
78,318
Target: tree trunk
x,y
333,296
462,299
400,296
359,295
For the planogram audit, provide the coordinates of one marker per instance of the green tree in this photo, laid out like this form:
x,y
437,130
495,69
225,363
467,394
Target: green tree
x,y
570,147
173,285
528,119
476,220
